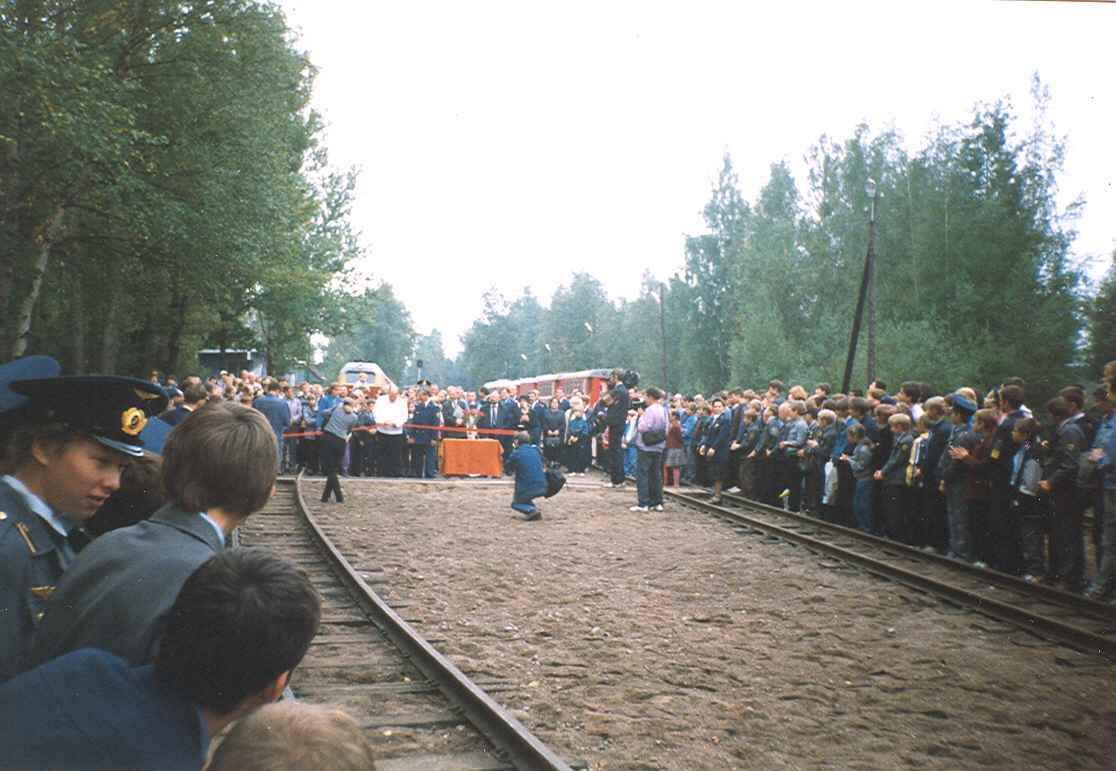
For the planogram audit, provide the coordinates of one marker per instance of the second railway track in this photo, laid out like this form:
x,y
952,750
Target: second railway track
x,y
419,710
1066,618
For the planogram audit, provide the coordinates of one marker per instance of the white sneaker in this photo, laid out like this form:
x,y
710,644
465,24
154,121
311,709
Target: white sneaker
x,y
643,509
659,507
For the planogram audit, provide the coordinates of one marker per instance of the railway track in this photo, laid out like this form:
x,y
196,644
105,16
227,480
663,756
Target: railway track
x,y
418,709
1069,619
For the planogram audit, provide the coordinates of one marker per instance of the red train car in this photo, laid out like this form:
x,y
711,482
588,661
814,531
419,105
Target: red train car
x,y
589,381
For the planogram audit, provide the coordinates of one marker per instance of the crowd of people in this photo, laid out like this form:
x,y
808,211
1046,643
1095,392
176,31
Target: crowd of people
x,y
980,477
133,635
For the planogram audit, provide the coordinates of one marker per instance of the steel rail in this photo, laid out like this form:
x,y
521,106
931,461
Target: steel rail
x,y
1050,594
1043,626
506,733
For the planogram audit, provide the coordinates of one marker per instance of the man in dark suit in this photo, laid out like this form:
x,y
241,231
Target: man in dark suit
x,y
495,414
218,467
275,409
68,439
538,417
427,413
618,405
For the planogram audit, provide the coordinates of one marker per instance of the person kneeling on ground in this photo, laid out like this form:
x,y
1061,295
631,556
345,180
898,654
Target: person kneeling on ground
x,y
241,623
530,478
294,735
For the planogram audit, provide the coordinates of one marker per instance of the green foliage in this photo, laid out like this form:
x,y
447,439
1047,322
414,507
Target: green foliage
x,y
161,185
376,327
1102,323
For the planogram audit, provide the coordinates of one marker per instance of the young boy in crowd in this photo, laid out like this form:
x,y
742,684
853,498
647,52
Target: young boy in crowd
x,y
860,466
893,475
1026,504
951,478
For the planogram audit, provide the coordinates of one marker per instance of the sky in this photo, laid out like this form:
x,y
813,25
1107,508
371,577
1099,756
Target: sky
x,y
512,144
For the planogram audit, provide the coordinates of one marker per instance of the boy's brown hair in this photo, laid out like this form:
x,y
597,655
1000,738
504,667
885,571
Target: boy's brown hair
x,y
222,456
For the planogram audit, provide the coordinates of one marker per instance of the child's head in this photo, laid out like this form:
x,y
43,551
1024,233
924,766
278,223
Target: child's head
x,y
935,408
924,423
899,423
223,456
856,433
295,734
1024,430
858,406
984,421
827,418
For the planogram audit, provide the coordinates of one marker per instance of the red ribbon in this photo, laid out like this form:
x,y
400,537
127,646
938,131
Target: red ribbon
x,y
462,429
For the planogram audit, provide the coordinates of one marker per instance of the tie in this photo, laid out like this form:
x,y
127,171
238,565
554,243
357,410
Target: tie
x,y
493,414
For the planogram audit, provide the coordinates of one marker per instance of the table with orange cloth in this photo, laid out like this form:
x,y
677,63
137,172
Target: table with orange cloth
x,y
461,457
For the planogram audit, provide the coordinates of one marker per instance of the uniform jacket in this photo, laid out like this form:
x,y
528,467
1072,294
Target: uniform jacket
x,y
860,462
1069,442
936,445
718,437
895,469
118,591
91,710
426,414
30,567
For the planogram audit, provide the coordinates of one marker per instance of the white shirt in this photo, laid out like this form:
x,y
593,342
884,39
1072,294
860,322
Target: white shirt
x,y
388,411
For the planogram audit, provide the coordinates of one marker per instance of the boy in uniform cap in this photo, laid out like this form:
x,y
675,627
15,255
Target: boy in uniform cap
x,y
66,441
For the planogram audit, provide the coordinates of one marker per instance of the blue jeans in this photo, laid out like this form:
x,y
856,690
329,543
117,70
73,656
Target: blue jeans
x,y
960,537
862,505
649,478
630,461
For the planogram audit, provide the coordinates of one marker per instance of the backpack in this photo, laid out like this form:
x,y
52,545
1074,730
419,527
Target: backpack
x,y
555,481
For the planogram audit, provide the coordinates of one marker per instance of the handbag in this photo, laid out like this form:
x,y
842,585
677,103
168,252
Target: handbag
x,y
653,437
555,481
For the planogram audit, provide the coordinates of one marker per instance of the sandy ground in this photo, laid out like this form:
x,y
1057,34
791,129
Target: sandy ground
x,y
671,641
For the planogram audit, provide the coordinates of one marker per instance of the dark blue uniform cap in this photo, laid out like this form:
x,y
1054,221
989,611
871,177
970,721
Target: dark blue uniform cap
x,y
963,404
23,369
112,410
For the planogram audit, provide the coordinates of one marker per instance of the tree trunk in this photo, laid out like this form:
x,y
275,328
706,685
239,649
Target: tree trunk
x,y
107,364
78,314
174,341
44,242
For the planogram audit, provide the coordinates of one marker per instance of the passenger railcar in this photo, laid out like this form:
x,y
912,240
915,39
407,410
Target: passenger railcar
x,y
589,381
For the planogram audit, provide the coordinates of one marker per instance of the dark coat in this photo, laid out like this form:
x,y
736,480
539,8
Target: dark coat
x,y
276,411
92,710
617,413
718,437
530,478
118,592
30,566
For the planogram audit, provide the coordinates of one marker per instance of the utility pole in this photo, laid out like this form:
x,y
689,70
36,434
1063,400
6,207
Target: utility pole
x,y
662,334
873,195
866,296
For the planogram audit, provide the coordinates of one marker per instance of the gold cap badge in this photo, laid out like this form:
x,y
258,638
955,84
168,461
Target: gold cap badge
x,y
132,421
